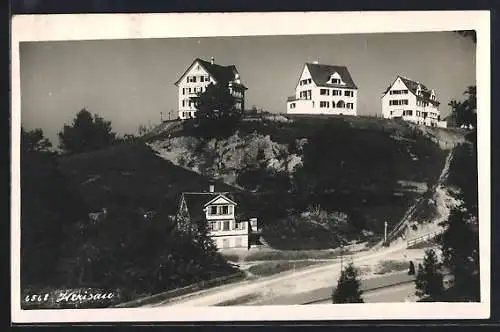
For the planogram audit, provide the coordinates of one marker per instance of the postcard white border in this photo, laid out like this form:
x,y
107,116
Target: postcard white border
x,y
129,26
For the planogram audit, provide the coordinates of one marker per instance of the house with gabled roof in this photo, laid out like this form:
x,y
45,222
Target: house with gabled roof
x,y
219,214
324,90
411,101
198,76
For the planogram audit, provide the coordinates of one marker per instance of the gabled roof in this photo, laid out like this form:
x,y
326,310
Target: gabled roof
x,y
413,86
223,196
221,74
196,202
320,74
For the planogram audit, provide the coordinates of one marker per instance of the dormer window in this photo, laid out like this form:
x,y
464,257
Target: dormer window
x,y
335,79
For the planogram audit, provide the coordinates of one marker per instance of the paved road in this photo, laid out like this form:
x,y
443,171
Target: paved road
x,y
303,281
397,293
323,295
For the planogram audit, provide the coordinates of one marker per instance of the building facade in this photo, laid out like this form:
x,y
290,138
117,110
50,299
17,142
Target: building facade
x,y
411,101
324,90
218,212
198,76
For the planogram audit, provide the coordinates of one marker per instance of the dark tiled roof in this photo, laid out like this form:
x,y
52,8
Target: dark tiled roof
x,y
321,75
412,86
222,74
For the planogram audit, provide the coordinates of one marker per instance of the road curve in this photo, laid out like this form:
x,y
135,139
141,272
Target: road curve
x,y
274,285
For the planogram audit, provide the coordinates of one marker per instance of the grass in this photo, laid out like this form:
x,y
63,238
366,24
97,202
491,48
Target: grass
x,y
390,266
133,175
270,268
231,257
292,255
424,245
239,300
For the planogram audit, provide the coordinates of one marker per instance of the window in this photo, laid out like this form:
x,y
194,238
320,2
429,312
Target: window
x,y
398,102
214,225
183,103
340,104
225,225
398,92
183,91
241,225
324,92
350,106
408,112
348,93
335,81
333,103
418,113
213,210
336,93
323,104
292,105
225,209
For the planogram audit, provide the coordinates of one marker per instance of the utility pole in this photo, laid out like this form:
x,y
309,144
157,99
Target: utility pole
x,y
385,232
341,255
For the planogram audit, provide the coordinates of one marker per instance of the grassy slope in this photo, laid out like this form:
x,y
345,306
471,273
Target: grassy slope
x,y
373,163
131,174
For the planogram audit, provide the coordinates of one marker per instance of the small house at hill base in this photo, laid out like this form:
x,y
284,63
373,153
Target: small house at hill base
x,y
324,90
218,211
411,101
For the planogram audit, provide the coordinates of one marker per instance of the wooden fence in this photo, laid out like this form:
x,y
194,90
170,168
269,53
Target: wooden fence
x,y
423,238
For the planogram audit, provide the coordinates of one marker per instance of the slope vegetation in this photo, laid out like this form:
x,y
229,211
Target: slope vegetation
x,y
306,172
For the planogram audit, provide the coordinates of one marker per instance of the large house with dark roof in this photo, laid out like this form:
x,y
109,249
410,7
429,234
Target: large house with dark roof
x,y
198,76
324,90
411,101
227,224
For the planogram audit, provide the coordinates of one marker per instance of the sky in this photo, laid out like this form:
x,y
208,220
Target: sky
x,y
131,81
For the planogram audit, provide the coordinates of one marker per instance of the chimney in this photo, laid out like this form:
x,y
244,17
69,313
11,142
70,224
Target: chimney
x,y
212,60
211,188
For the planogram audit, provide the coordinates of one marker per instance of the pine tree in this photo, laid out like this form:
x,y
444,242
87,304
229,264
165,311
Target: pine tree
x,y
348,287
429,279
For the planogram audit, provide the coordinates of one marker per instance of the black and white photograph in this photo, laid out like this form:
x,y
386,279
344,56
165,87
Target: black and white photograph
x,y
277,171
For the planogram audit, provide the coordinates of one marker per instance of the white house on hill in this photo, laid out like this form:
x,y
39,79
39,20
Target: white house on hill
x,y
218,212
324,90
196,79
411,101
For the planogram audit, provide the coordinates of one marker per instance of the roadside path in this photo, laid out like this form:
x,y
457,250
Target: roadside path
x,y
290,282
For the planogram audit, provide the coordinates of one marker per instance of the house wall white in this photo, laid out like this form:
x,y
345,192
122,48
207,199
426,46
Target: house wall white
x,y
195,80
223,227
400,102
313,99
188,89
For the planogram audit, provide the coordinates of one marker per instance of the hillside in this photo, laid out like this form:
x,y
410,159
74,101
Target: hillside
x,y
131,175
369,169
